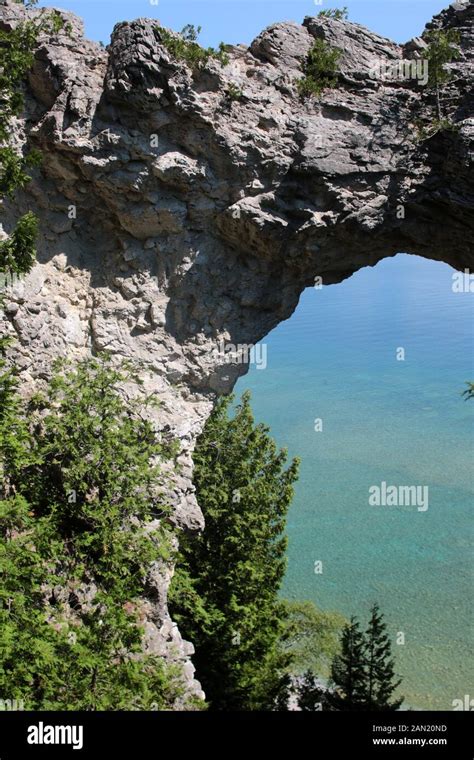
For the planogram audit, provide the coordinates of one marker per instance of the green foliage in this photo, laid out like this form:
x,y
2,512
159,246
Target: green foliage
x,y
17,253
443,48
12,170
311,637
16,59
93,474
320,69
225,593
184,47
79,502
363,673
338,13
348,670
427,130
233,92
17,45
380,667
190,33
311,697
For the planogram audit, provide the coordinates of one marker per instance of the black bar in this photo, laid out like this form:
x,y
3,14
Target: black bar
x,y
138,735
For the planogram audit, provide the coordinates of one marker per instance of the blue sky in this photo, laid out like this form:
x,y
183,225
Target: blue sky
x,y
235,21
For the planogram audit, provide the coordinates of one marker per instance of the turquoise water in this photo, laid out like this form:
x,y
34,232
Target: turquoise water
x,y
402,422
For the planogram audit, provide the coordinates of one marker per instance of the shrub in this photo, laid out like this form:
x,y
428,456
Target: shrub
x,y
442,49
79,502
233,92
338,13
320,69
17,254
184,47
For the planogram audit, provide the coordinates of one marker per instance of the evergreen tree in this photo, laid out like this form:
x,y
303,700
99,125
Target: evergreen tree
x,y
340,14
311,697
17,253
225,593
81,511
443,47
363,673
320,69
348,671
380,673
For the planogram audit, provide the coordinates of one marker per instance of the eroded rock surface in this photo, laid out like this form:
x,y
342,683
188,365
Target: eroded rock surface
x,y
176,218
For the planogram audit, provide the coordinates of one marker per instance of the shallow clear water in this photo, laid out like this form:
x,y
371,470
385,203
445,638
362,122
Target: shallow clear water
x,y
402,422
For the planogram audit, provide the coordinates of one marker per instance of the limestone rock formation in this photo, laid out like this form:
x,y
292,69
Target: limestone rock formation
x,y
177,217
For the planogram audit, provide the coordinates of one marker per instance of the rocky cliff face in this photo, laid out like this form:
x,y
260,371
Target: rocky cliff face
x,y
178,217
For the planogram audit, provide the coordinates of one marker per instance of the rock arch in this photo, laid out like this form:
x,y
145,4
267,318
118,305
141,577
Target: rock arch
x,y
175,217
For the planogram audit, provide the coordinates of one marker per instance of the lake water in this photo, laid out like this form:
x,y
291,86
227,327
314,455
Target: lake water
x,y
383,420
